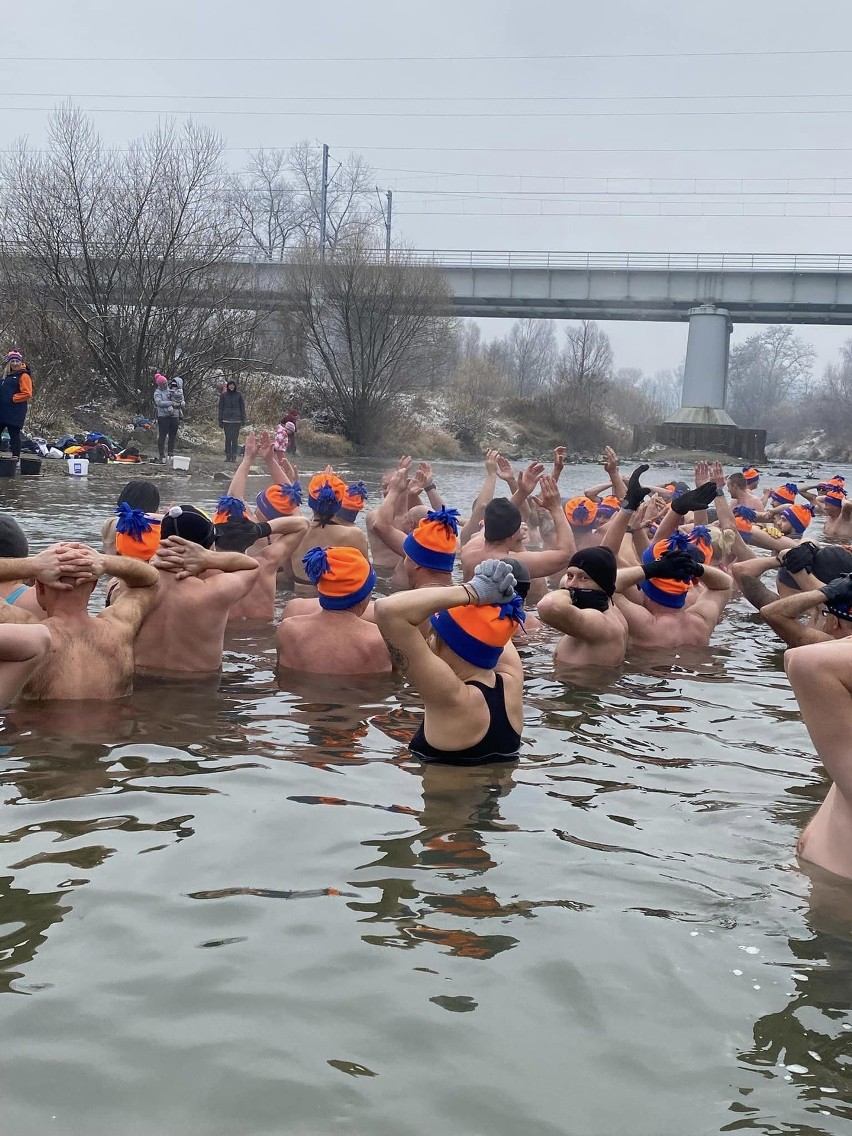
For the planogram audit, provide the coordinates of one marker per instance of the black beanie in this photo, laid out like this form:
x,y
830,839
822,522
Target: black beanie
x,y
521,573
599,564
238,533
190,523
13,541
502,519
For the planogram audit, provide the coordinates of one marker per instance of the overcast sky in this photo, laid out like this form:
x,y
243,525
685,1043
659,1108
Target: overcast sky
x,y
636,117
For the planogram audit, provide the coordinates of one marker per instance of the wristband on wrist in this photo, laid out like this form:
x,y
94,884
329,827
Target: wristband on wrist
x,y
428,488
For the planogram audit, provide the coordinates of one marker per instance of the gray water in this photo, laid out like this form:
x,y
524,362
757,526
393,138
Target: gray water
x,y
246,910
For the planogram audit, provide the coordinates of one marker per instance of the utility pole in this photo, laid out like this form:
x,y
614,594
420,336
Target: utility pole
x,y
323,199
387,217
388,220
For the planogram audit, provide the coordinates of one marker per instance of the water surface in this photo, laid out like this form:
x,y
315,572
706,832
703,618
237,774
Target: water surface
x,y
243,908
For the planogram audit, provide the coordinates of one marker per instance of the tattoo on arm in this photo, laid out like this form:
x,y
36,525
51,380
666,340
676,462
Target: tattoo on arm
x,y
756,592
399,660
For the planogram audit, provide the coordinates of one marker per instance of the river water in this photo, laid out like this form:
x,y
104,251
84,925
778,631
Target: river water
x,y
245,909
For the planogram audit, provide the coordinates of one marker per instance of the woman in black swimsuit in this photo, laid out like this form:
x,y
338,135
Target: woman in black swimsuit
x,y
468,672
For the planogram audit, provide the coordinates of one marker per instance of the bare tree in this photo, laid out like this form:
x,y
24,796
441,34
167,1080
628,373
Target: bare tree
x,y
352,212
532,346
270,211
371,332
584,369
132,250
765,372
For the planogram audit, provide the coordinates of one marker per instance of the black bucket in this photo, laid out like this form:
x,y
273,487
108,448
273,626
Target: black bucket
x,y
30,466
7,466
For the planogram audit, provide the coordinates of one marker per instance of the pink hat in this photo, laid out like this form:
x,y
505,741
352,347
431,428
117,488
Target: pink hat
x,y
159,379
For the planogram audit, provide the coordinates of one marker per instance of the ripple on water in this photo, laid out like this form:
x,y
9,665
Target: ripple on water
x,y
249,895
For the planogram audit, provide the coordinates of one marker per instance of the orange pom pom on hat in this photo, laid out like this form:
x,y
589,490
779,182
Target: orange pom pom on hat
x,y
353,500
136,534
342,576
478,634
279,501
581,512
432,544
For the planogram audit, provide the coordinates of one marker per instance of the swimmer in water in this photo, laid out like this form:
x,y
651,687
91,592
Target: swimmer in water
x,y
821,677
468,673
505,535
594,630
90,657
335,639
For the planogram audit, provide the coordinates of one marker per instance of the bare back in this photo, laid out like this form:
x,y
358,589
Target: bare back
x,y
91,658
185,632
332,643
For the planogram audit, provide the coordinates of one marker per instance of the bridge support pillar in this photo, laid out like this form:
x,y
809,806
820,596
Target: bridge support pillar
x,y
705,376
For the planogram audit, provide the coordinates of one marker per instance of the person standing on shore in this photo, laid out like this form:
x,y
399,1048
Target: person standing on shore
x,y
16,390
168,398
232,417
291,417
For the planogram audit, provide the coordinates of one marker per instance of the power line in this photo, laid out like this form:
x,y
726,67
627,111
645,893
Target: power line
x,y
422,98
766,54
659,211
441,114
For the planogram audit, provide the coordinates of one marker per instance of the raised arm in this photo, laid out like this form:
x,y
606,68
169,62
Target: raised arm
x,y
548,561
384,517
185,558
556,610
782,615
486,494
747,573
239,481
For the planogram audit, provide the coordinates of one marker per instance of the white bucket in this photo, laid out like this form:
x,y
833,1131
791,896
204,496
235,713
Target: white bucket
x,y
180,463
78,467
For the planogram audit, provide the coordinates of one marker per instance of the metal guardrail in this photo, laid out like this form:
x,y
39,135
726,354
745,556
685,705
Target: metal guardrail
x,y
629,261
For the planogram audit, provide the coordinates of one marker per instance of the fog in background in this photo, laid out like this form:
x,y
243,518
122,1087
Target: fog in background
x,y
542,126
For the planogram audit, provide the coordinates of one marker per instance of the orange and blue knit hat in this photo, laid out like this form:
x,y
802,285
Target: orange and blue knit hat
x,y
325,493
785,494
744,519
751,475
836,482
581,512
342,576
700,544
229,508
669,593
353,501
478,634
607,507
799,516
432,544
279,501
136,534
835,496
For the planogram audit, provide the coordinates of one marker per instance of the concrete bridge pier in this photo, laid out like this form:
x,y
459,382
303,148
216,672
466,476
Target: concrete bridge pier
x,y
702,424
705,376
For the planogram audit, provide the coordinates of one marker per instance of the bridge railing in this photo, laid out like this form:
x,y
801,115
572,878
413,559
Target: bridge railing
x,y
629,261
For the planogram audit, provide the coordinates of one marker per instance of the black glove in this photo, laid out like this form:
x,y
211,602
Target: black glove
x,y
635,493
694,499
801,557
839,590
674,565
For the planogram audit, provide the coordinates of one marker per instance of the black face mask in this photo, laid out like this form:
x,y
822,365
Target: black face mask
x,y
588,598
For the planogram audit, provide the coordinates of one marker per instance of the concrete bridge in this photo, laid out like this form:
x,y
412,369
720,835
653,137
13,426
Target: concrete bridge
x,y
710,291
759,288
